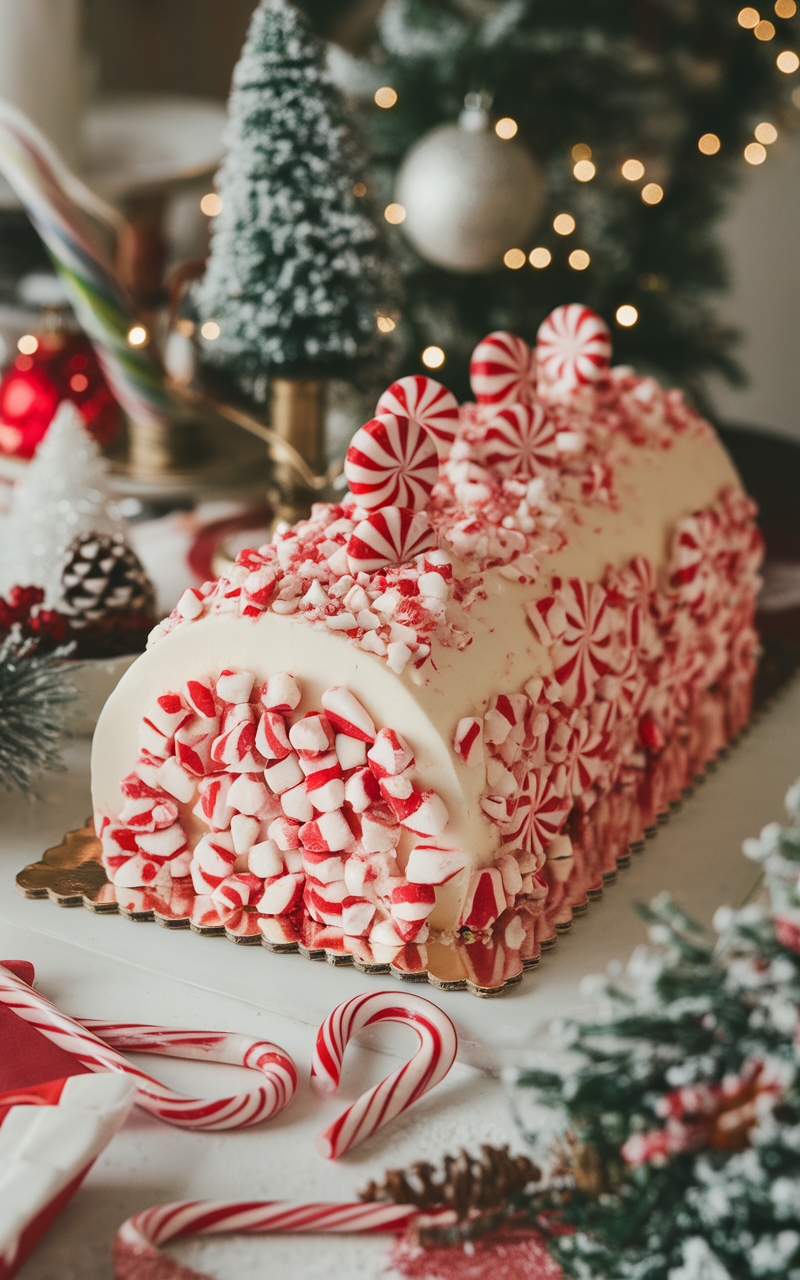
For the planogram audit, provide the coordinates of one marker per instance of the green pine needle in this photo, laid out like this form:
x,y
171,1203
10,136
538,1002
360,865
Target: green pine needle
x,y
34,701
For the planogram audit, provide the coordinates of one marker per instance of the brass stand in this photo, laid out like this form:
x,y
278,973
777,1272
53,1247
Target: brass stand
x,y
159,449
297,416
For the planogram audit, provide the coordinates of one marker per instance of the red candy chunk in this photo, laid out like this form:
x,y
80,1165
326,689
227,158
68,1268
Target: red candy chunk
x,y
468,741
325,789
486,900
285,833
329,833
271,737
284,775
389,755
347,714
168,713
213,804
357,916
378,835
282,894
248,794
241,890
325,868
391,535
176,781
193,747
361,790
401,797
412,901
429,818
235,686
236,749
200,698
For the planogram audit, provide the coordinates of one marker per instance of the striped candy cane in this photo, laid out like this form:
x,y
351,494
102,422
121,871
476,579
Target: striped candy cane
x,y
95,1045
438,1044
52,197
136,1255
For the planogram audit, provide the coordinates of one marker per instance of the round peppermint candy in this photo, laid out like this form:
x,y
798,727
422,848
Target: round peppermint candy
x,y
502,370
573,348
427,402
521,441
392,535
392,461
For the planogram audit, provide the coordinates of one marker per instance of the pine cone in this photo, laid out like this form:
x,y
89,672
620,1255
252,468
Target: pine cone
x,y
467,1183
103,579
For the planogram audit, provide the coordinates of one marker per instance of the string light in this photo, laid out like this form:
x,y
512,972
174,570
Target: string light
x,y
514,258
579,259
652,282
137,336
211,204
360,189
626,316
785,8
506,128
633,170
564,224
433,357
766,133
754,153
788,62
79,382
584,171
185,326
709,144
581,151
27,344
748,18
386,324
210,330
394,213
385,97
652,193
540,257
763,30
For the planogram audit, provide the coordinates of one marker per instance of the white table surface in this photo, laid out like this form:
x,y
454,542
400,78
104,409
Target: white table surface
x,y
101,966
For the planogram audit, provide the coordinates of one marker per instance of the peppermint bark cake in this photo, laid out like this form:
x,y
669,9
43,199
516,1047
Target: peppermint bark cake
x,y
441,704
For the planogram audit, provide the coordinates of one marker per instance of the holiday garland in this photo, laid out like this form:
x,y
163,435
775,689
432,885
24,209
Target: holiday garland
x,y
641,79
34,702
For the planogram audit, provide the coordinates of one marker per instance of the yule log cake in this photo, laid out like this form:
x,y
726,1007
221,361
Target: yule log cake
x,y
519,636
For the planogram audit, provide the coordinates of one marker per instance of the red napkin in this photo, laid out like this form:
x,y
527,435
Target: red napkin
x,y
28,1057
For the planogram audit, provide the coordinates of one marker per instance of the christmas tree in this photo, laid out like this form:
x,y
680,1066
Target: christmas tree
x,y
639,112
299,275
678,1156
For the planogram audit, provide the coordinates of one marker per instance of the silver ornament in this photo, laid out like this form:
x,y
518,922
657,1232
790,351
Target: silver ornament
x,y
468,195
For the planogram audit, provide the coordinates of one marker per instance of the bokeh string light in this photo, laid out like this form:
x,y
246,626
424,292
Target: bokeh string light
x,y
385,97
765,133
137,335
211,204
433,357
652,193
359,189
764,30
584,171
709,144
385,324
579,259
627,315
395,214
785,8
506,128
754,153
633,170
210,330
581,151
788,62
27,344
564,224
540,257
748,18
514,258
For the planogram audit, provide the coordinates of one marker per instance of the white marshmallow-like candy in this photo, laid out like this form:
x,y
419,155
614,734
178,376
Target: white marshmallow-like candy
x,y
326,795
390,754
512,876
361,790
357,917
176,781
350,752
429,818
248,794
311,735
429,865
213,805
296,804
190,605
265,859
377,836
165,843
244,832
285,834
329,833
168,713
281,895
271,737
280,692
235,686
285,774
468,741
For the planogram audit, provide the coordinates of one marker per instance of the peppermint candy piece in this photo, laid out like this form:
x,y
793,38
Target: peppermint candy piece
x,y
426,401
521,440
502,370
392,535
573,348
392,461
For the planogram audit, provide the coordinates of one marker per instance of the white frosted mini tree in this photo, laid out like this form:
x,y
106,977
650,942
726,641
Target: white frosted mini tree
x,y
298,271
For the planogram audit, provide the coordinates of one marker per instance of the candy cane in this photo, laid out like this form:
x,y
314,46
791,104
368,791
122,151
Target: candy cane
x,y
51,196
438,1044
427,402
392,461
94,1044
136,1244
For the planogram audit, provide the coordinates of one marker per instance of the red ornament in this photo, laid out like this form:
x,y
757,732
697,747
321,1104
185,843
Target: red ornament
x,y
63,367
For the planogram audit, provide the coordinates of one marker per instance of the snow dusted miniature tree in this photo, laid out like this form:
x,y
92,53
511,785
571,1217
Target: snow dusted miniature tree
x,y
679,1156
298,272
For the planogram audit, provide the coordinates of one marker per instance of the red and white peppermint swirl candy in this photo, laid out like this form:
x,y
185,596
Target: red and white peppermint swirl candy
x,y
438,1044
573,348
95,1045
136,1243
427,402
502,370
392,461
390,536
521,441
